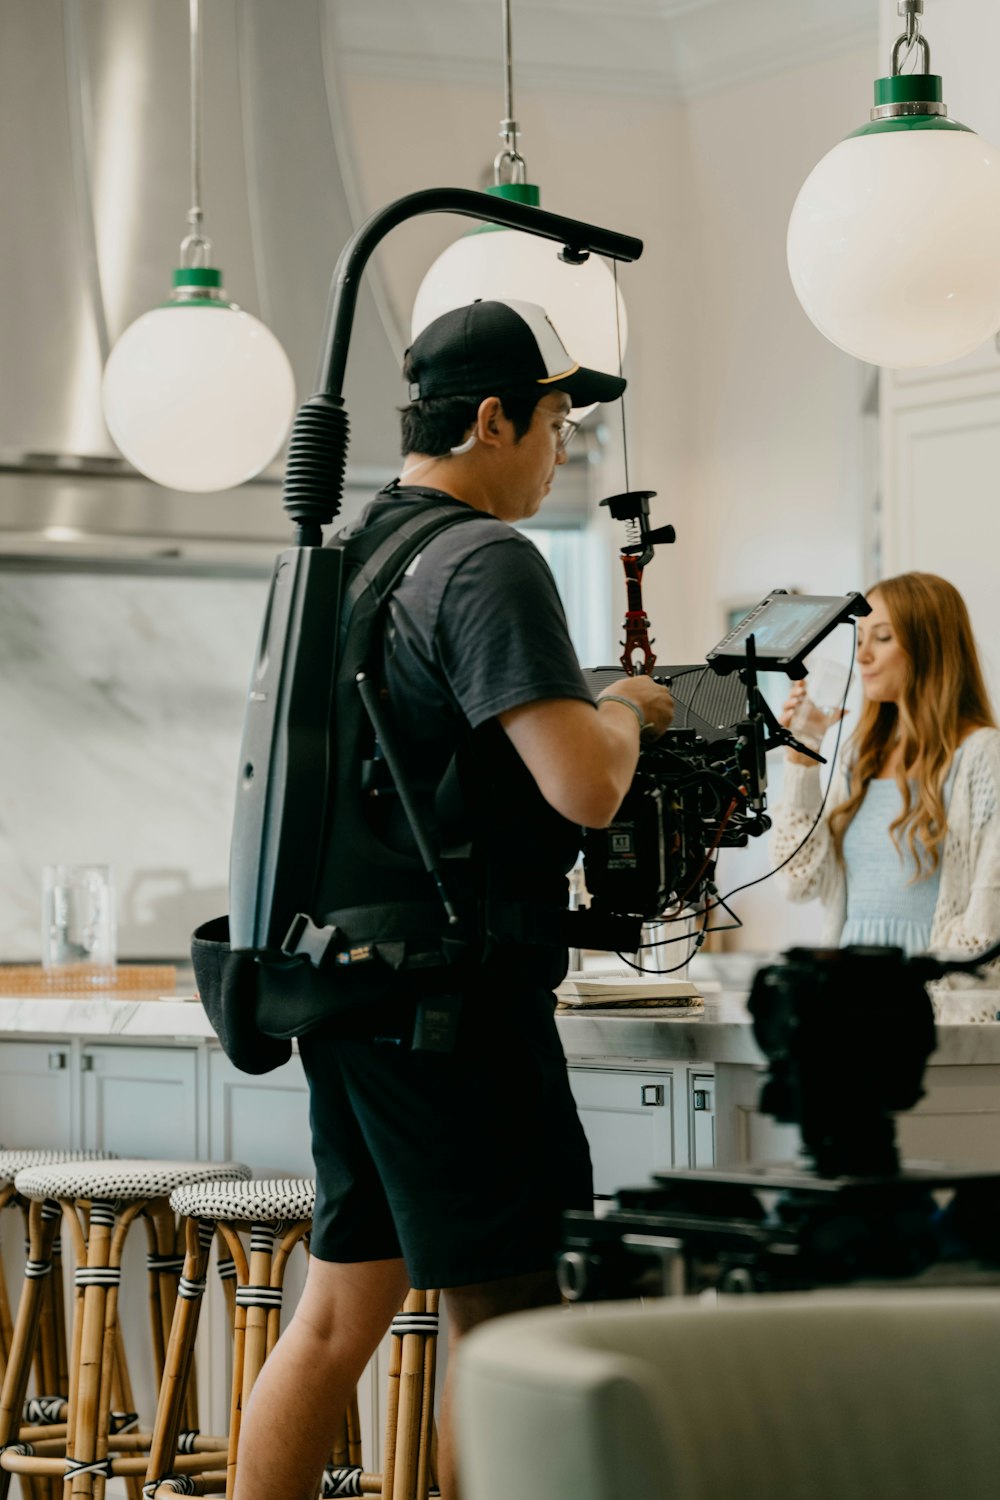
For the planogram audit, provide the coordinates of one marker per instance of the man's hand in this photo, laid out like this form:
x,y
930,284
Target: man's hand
x,y
584,760
654,701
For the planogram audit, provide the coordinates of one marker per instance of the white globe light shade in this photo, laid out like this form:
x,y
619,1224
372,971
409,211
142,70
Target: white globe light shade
x,y
894,245
198,397
581,301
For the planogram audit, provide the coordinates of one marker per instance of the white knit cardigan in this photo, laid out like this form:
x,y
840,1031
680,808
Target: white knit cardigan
x,y
967,914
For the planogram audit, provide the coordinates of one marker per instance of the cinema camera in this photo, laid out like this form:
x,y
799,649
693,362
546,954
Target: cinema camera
x,y
703,785
846,1034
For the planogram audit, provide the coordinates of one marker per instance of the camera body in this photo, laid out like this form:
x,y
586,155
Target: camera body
x,y
689,798
702,786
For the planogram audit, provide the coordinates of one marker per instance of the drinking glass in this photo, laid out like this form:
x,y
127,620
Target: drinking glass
x,y
826,685
78,916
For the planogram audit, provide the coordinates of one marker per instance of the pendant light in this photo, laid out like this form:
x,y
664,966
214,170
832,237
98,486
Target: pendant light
x,y
198,394
580,295
894,240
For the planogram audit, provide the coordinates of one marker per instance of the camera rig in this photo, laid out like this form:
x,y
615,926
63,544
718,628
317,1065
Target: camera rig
x,y
703,785
851,1211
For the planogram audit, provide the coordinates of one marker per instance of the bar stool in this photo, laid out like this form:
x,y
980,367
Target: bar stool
x,y
100,1201
48,1407
277,1216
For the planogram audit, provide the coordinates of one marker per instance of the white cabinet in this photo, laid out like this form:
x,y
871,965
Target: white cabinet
x,y
140,1101
701,1119
628,1119
36,1094
260,1119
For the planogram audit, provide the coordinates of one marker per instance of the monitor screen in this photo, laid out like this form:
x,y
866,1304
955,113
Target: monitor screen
x,y
785,627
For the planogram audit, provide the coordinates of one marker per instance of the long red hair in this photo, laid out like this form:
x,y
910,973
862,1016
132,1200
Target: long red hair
x,y
944,697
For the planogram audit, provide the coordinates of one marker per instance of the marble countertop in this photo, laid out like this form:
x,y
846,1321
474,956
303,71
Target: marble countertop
x,y
173,1018
721,1035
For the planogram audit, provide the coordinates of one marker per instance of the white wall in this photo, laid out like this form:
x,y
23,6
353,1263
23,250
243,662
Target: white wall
x,y
777,484
745,420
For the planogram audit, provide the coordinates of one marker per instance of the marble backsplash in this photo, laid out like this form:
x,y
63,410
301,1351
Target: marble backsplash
x,y
122,708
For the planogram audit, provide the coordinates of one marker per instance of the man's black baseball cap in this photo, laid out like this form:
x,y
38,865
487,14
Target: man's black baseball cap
x,y
491,347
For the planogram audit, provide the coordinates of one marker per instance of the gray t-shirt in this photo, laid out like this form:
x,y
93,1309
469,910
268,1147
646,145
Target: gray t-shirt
x,y
476,627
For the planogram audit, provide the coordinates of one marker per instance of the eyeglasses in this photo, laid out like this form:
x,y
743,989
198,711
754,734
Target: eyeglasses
x,y
565,435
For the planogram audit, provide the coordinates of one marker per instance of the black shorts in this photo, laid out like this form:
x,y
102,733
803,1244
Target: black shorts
x,y
460,1163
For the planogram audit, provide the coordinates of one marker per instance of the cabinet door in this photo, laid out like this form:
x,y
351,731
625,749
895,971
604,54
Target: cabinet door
x,y
628,1120
140,1101
260,1119
36,1094
941,511
701,1119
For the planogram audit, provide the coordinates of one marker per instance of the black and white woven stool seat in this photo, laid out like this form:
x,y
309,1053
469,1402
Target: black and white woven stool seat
x,y
14,1159
121,1181
283,1199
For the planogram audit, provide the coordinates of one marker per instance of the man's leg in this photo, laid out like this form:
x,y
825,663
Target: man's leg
x,y
288,1428
468,1306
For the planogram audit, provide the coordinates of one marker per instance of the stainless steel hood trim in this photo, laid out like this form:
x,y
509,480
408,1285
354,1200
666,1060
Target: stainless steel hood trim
x,y
78,109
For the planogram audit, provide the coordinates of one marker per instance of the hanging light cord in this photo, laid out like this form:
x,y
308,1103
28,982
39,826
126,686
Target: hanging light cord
x,y
911,38
508,155
195,248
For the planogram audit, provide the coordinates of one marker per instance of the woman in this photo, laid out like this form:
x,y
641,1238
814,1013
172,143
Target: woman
x,y
908,853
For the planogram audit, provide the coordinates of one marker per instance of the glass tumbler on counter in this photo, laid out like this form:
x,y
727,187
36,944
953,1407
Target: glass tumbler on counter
x,y
826,685
78,917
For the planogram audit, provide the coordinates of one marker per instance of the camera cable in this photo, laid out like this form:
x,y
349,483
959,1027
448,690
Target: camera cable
x,y
826,793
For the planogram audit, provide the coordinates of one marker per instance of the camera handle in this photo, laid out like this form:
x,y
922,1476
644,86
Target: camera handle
x,y
638,658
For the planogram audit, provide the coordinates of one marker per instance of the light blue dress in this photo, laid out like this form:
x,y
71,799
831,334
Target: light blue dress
x,y
883,907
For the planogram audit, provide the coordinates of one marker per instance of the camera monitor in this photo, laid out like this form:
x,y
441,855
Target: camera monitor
x,y
785,628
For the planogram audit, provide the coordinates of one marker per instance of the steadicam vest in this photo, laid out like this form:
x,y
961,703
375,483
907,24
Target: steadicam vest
x,y
332,913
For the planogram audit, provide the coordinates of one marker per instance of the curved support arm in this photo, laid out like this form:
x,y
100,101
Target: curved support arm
x,y
578,238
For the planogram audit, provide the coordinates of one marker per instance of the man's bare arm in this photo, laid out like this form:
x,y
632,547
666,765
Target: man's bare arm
x,y
583,759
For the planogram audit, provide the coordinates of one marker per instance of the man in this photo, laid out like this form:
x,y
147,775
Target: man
x,y
452,1170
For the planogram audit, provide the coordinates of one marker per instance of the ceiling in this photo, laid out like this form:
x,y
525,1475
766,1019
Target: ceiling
x,y
668,48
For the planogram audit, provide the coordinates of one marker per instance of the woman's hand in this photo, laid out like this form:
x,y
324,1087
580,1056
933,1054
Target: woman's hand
x,y
813,722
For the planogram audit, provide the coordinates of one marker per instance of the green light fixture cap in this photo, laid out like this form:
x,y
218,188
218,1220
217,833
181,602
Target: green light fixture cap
x,y
201,276
514,192
908,101
908,88
517,192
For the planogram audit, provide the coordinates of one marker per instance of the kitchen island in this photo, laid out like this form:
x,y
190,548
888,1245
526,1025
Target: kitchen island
x,y
147,1078
144,1075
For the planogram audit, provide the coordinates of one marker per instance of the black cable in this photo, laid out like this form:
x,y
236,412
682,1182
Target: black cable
x,y
736,922
697,689
686,672
826,791
696,941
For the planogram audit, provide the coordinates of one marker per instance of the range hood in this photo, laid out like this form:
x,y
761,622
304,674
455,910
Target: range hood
x,y
94,167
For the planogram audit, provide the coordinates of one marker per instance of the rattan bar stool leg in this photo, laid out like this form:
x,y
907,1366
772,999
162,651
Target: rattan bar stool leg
x,y
6,1320
99,1276
410,1403
166,1263
43,1221
171,1406
241,1263
259,1293
225,1268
